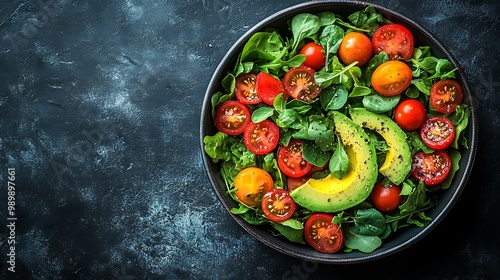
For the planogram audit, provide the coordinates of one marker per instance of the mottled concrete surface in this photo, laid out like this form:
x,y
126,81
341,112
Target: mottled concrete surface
x,y
99,111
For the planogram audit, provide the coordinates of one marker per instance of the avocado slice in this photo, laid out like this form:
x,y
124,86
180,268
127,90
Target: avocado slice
x,y
331,194
397,162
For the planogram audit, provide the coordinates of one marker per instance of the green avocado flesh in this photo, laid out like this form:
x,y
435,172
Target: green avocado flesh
x,y
397,162
331,194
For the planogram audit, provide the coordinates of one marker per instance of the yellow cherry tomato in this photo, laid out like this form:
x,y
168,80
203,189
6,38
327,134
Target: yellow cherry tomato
x,y
355,47
391,78
251,184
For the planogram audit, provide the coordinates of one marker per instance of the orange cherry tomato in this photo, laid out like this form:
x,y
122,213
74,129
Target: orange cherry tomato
x,y
251,184
355,47
391,78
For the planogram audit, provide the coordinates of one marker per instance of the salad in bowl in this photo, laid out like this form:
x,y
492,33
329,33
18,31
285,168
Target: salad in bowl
x,y
338,132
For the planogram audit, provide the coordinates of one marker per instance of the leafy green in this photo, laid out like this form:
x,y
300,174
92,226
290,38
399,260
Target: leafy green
x,y
339,164
303,26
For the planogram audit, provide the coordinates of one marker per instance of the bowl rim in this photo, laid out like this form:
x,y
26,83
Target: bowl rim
x,y
330,258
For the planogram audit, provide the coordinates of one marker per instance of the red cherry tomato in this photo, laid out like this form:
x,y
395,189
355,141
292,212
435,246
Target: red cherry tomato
x,y
315,57
355,47
395,40
246,89
386,199
277,205
232,117
322,235
268,87
410,114
300,84
446,95
261,138
431,168
437,132
391,78
290,160
293,183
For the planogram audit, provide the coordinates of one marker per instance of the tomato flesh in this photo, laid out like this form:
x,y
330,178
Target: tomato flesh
x,y
410,114
268,87
315,57
291,162
300,84
393,39
431,168
246,89
232,117
446,95
437,132
321,234
386,199
355,46
391,78
251,184
293,183
261,138
277,205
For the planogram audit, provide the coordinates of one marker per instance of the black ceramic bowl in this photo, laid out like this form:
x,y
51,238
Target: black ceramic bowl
x,y
404,237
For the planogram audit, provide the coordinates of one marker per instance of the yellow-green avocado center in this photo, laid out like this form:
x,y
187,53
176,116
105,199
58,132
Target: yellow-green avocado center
x,y
397,162
331,194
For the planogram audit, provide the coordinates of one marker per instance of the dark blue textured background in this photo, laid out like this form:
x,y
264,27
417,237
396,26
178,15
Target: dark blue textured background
x,y
99,115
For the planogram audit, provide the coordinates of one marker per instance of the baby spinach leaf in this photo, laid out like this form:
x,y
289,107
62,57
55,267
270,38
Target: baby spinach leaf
x,y
326,18
292,234
378,103
264,45
289,118
339,163
369,222
262,113
367,19
279,103
363,243
303,26
330,38
460,118
313,153
333,98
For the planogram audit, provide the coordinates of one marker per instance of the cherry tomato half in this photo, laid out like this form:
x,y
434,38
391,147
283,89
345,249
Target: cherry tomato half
x,y
261,138
315,57
410,114
232,117
322,235
290,160
355,47
246,89
277,205
251,184
395,40
431,168
300,84
391,78
268,87
446,95
437,132
386,199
